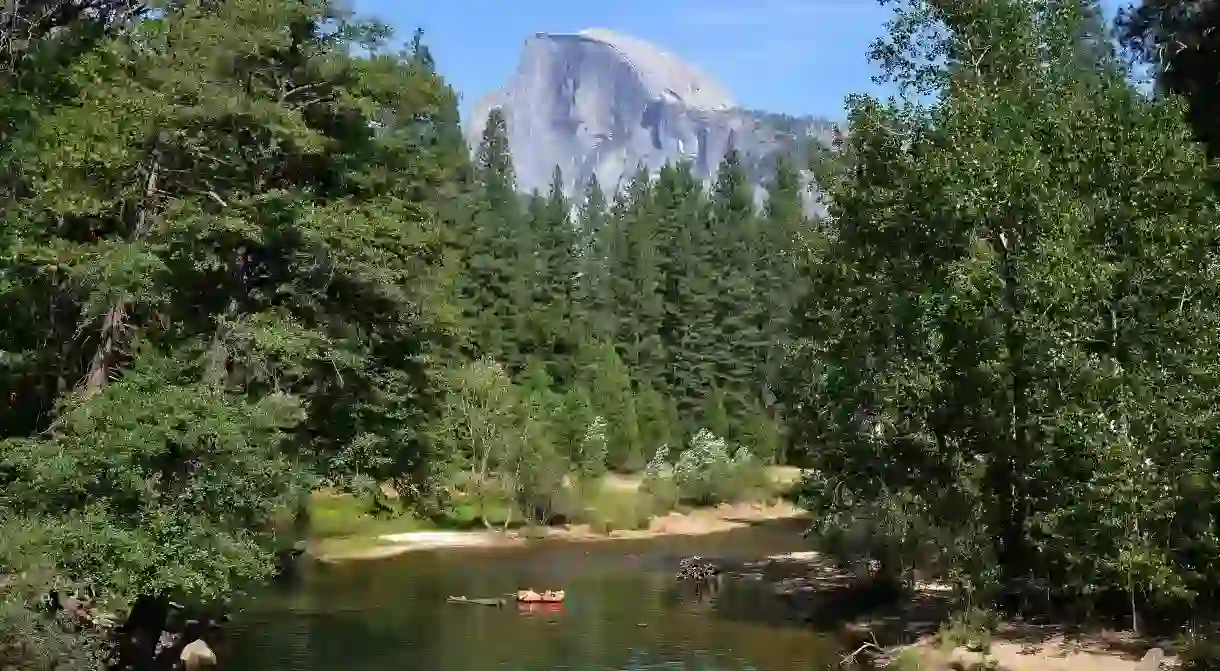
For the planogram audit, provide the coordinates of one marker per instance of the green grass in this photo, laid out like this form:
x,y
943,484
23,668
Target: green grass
x,y
343,523
336,516
607,509
343,515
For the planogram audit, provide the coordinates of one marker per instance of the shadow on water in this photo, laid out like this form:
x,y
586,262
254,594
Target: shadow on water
x,y
623,611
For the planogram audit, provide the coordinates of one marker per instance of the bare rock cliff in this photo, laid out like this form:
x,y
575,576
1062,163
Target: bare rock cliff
x,y
601,103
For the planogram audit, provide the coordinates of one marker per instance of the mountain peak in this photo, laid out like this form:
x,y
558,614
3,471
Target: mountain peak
x,y
600,103
665,75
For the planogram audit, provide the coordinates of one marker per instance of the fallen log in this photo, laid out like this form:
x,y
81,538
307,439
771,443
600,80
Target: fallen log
x,y
477,602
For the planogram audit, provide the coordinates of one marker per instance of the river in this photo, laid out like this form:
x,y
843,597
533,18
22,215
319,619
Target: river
x,y
623,611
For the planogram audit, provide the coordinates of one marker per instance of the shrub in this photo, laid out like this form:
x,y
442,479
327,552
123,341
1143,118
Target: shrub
x,y
704,469
761,434
972,629
705,474
622,510
747,477
590,460
1200,652
658,485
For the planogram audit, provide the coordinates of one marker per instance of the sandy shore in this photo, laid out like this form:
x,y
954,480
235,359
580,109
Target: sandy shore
x,y
1056,653
701,521
907,631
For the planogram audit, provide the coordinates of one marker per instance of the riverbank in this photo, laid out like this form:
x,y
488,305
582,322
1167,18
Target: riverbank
x,y
343,531
1057,652
917,631
696,522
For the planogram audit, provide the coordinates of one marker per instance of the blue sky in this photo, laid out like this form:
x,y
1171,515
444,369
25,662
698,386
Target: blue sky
x,y
793,56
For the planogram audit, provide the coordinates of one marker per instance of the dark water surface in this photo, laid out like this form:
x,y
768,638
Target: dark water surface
x,y
623,612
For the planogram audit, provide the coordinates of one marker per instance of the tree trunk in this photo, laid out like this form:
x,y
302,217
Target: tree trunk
x,y
1007,468
110,337
112,333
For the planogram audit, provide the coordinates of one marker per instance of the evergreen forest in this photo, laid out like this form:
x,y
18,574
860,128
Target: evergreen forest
x,y
246,254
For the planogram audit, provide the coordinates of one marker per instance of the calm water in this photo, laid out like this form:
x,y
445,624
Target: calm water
x,y
623,612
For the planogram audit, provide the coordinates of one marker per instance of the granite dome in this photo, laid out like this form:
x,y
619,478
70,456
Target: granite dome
x,y
599,103
665,76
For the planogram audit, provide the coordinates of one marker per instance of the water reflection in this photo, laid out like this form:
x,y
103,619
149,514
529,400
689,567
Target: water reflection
x,y
623,611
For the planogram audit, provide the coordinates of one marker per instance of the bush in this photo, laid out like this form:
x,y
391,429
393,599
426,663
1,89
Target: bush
x,y
762,435
749,480
625,511
33,639
1200,653
703,468
705,474
538,476
972,629
590,460
658,484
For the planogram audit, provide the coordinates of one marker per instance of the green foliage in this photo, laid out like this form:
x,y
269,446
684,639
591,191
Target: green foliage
x,y
145,471
761,435
481,430
706,473
594,450
658,481
1199,653
619,510
657,418
1180,42
702,468
1007,346
224,277
616,401
972,629
238,261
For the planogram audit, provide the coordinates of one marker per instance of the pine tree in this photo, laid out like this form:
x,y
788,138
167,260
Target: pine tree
x,y
555,285
634,274
688,327
498,275
784,228
614,399
738,345
596,297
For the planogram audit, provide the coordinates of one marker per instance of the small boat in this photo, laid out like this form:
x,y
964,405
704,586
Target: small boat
x,y
530,596
539,608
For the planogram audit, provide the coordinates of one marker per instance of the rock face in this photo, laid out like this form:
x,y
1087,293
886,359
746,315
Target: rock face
x,y
600,103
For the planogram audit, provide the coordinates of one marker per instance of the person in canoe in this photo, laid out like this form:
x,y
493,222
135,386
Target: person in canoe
x,y
548,596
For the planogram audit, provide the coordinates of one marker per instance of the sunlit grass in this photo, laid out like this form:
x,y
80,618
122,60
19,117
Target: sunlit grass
x,y
609,508
340,522
333,515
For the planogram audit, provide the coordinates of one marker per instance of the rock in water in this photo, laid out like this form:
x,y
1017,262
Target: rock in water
x,y
197,655
1151,660
601,103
